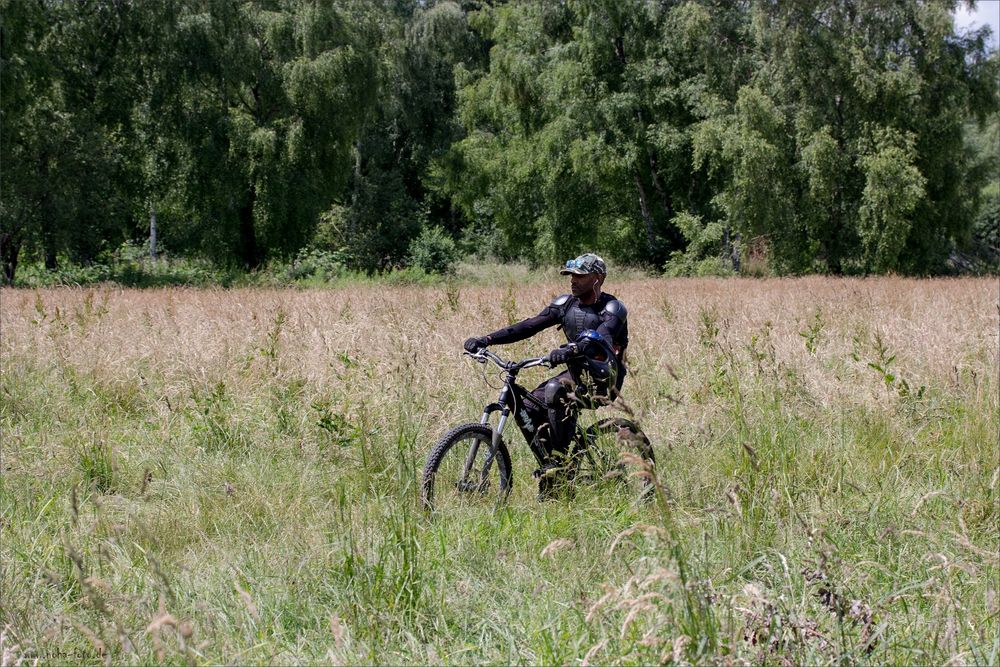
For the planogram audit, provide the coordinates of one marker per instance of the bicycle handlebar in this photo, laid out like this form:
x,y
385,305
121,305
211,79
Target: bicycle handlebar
x,y
484,355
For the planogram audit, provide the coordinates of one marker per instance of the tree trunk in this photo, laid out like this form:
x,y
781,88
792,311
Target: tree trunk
x,y
668,205
248,235
673,236
730,249
357,170
619,44
48,233
647,217
10,248
51,260
152,232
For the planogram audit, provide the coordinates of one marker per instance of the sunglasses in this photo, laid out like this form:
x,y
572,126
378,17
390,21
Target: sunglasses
x,y
588,265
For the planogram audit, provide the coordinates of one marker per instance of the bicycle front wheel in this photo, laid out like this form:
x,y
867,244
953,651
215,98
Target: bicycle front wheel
x,y
462,470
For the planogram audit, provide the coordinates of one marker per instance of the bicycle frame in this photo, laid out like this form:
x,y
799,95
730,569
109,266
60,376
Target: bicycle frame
x,y
512,395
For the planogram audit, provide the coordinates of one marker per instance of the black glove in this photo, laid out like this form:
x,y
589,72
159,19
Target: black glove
x,y
560,355
475,344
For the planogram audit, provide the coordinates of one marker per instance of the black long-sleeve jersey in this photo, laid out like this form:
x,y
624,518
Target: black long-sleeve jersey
x,y
607,316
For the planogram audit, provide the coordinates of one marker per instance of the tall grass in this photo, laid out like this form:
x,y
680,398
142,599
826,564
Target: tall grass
x,y
230,476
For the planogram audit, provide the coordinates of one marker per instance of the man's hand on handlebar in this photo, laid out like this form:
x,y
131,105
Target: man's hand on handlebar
x,y
481,354
474,344
561,355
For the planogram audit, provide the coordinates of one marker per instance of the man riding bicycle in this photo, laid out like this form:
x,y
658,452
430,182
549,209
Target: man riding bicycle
x,y
595,324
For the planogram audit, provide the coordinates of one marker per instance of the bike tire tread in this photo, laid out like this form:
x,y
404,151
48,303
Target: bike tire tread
x,y
444,445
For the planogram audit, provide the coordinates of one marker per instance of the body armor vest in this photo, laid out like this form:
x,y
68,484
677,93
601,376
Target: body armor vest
x,y
576,318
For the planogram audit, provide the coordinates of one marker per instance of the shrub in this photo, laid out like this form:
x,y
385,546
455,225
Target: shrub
x,y
315,263
986,231
705,249
433,251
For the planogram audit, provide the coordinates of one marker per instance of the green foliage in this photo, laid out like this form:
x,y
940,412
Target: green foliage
x,y
315,264
129,265
813,332
883,363
433,251
581,110
337,430
99,468
843,138
986,231
831,152
213,423
893,189
703,256
409,275
379,227
279,98
66,144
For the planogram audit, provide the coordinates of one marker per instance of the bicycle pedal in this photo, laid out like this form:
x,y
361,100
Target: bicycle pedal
x,y
548,470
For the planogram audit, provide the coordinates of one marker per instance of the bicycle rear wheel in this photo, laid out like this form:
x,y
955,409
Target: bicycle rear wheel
x,y
462,470
607,441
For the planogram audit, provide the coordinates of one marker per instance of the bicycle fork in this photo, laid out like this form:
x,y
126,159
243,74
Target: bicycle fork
x,y
503,406
506,403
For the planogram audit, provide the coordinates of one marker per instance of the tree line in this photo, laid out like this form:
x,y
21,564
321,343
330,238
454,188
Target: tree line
x,y
841,136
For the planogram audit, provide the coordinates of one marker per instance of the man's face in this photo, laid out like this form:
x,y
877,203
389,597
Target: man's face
x,y
582,285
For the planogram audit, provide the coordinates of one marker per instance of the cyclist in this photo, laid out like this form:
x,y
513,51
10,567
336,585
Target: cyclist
x,y
588,308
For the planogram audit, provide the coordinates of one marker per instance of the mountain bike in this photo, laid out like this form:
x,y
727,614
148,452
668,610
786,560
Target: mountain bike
x,y
471,464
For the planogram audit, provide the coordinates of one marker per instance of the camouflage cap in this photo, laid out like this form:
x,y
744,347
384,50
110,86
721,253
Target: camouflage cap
x,y
584,264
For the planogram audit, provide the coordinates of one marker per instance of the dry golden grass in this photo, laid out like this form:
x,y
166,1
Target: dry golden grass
x,y
941,332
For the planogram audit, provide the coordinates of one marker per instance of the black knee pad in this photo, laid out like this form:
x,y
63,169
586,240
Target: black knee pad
x,y
555,393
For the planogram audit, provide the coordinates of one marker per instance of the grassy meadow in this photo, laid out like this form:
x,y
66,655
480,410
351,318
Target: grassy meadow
x,y
231,476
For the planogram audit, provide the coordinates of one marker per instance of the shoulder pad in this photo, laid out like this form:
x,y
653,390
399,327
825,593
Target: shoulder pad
x,y
561,300
617,309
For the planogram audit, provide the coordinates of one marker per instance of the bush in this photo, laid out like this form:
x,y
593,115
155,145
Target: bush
x,y
376,231
986,230
980,253
315,263
410,275
433,251
130,266
704,253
